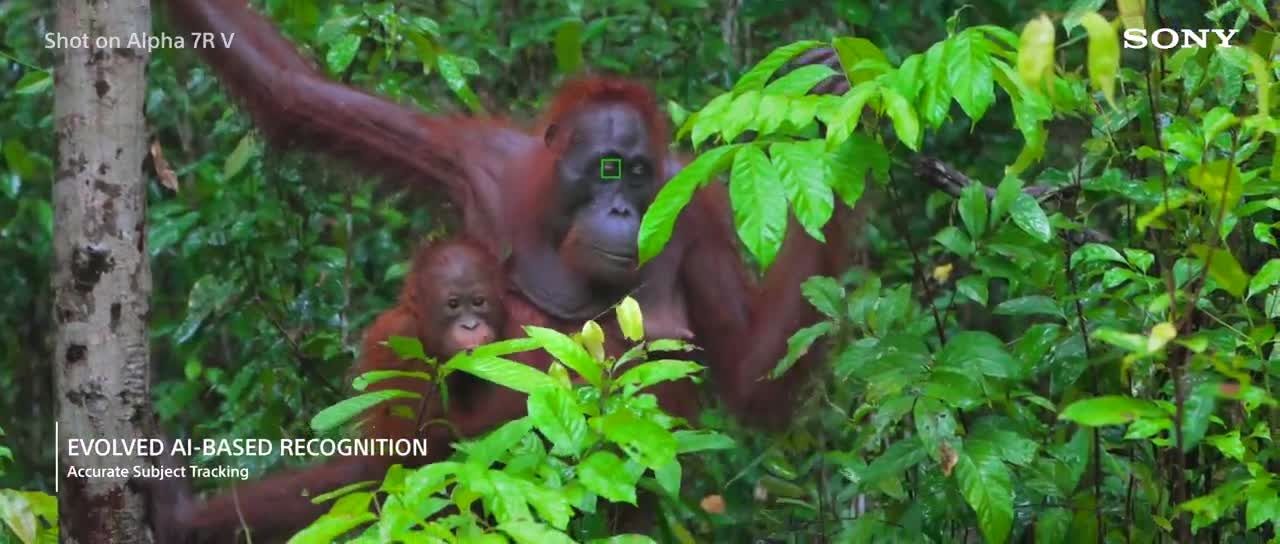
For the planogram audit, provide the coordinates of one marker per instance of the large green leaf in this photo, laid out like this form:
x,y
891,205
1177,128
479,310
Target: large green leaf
x,y
799,344
935,102
504,372
1110,410
649,373
905,122
799,81
1223,268
569,352
803,170
660,219
981,352
532,532
973,209
756,77
603,473
987,486
969,74
1221,183
348,409
556,414
642,439
759,204
1267,276
1029,217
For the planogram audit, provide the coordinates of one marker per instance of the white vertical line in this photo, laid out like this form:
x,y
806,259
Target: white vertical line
x,y
57,450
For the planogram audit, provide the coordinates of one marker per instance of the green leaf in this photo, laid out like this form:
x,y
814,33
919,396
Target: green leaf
x,y
504,372
826,294
1262,78
569,352
1093,252
34,82
1218,180
935,102
759,204
955,241
860,58
756,77
974,288
668,477
554,411
1215,121
849,164
330,526
649,373
1110,410
363,381
973,209
804,174
1104,55
1053,526
987,486
1197,410
741,113
451,70
1229,444
798,82
1030,218
1267,276
341,53
1223,268
16,512
569,46
245,150
1008,191
905,122
1262,504
1035,51
493,446
660,219
979,352
603,473
1078,9
1030,305
844,123
702,440
630,320
645,441
532,532
348,409
406,347
969,74
798,346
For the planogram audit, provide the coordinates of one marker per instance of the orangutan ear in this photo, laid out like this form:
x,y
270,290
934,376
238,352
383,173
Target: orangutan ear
x,y
550,135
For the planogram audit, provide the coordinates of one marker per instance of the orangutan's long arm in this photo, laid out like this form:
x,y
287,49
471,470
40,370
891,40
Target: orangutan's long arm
x,y
296,105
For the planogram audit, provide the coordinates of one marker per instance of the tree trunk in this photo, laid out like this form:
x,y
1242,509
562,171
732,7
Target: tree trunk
x,y
101,278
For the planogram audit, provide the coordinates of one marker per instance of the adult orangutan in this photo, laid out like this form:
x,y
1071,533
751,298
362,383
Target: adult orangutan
x,y
538,197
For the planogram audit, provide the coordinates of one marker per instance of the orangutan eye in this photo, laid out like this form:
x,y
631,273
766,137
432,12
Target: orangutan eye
x,y
477,302
454,303
639,169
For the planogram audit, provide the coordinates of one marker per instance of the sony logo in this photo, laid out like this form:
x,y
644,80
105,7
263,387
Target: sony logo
x,y
1168,38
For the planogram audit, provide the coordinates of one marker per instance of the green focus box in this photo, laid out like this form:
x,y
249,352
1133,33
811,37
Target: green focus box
x,y
610,168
